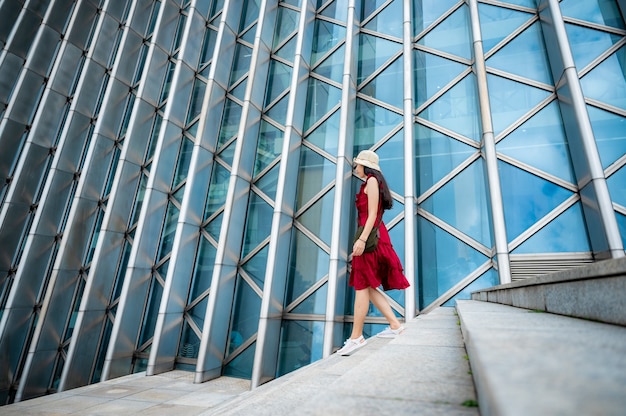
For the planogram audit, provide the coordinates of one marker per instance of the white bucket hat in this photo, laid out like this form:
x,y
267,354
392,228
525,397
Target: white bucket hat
x,y
367,158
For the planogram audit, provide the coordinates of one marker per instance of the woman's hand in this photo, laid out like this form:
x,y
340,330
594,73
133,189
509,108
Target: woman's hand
x,y
358,247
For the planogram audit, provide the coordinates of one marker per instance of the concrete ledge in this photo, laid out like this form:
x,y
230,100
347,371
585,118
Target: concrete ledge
x,y
528,363
592,292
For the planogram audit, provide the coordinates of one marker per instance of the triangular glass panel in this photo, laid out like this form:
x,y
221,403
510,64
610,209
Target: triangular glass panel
x,y
525,3
372,123
314,174
565,234
258,223
269,147
587,44
308,264
527,198
189,343
152,311
250,14
388,21
288,50
203,269
457,109
391,156
286,24
369,7
386,85
425,12
278,112
314,303
610,132
215,226
601,12
240,366
255,267
462,203
621,223
169,231
436,156
198,312
249,35
525,56
246,311
338,10
373,53
606,82
488,279
496,23
279,80
241,63
228,153
269,182
184,159
541,142
431,74
317,219
510,100
617,186
230,122
321,98
326,135
332,67
240,90
443,261
325,37
452,35
220,178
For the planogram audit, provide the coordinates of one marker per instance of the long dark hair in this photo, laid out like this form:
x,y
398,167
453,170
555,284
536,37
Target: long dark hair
x,y
387,200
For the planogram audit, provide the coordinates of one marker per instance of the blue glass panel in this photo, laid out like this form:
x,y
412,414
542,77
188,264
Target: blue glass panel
x,y
607,81
169,230
278,112
249,35
372,123
370,6
228,153
436,156
151,312
332,67
208,46
496,23
541,142
457,109
525,56
525,3
488,279
189,343
388,85
388,21
315,303
527,198
316,218
431,74
217,189
326,136
230,122
269,181
391,163
258,223
425,12
288,50
286,24
308,264
184,158
373,53
442,261
610,132
255,267
510,100
198,312
300,345
246,311
197,96
241,63
278,81
338,10
587,44
250,13
617,186
602,12
240,90
325,36
621,222
241,366
203,270
315,173
269,147
452,35
462,203
321,98
566,233
214,227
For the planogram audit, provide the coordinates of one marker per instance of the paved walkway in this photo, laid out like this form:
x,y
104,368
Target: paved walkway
x,y
423,372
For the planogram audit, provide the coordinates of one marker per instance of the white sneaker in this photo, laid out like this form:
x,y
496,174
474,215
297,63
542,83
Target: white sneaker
x,y
390,333
351,345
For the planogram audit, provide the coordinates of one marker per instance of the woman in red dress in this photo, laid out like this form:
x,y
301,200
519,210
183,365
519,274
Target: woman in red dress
x,y
380,267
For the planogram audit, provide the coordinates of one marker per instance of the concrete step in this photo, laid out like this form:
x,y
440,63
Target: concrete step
x,y
593,292
526,362
424,371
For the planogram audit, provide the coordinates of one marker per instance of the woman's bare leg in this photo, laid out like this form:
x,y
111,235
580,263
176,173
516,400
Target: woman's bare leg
x,y
379,300
361,306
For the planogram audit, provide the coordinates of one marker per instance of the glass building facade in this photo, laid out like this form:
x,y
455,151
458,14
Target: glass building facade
x,y
176,186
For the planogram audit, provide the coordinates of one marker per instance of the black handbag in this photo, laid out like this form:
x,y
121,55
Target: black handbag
x,y
372,239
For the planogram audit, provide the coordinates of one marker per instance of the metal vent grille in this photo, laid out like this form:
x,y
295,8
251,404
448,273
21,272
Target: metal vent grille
x,y
524,266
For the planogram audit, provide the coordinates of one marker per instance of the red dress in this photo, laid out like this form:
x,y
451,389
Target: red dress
x,y
381,266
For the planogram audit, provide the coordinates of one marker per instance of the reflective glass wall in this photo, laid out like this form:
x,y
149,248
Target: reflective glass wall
x,y
176,186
